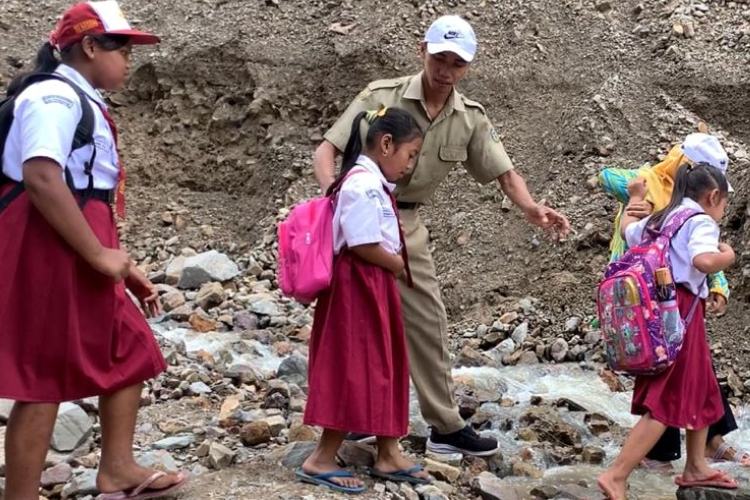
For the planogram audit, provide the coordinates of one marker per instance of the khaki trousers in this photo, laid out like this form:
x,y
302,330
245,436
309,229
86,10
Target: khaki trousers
x,y
426,326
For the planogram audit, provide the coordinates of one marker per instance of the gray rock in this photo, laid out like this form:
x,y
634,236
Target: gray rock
x,y
82,484
520,333
528,358
295,454
245,321
72,428
507,346
174,442
491,487
576,492
264,305
206,267
558,350
199,388
59,474
572,324
172,300
159,459
6,405
174,269
430,492
219,456
293,370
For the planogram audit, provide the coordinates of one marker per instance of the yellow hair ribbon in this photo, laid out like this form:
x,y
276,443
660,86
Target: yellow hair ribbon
x,y
372,115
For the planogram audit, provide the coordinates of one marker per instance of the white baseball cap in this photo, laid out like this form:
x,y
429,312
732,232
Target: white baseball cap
x,y
452,34
705,148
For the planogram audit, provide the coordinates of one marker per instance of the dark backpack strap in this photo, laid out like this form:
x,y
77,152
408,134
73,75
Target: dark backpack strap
x,y
84,133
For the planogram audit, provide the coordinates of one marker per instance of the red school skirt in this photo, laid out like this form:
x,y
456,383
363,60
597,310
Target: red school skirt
x,y
358,364
686,395
66,331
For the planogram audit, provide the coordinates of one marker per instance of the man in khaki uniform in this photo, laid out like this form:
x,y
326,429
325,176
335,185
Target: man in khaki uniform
x,y
457,131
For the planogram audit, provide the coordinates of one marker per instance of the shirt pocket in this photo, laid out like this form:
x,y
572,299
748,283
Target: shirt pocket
x,y
453,154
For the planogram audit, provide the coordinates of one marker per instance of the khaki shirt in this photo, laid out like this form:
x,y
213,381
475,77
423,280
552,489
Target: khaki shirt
x,y
462,133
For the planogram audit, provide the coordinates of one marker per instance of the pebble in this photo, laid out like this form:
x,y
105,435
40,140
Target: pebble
x,y
82,484
58,474
219,456
255,433
174,442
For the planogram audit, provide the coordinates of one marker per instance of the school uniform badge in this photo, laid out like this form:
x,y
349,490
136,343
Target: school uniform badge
x,y
494,135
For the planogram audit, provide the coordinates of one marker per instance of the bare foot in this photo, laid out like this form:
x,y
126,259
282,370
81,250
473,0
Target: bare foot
x,y
127,477
397,463
613,488
313,466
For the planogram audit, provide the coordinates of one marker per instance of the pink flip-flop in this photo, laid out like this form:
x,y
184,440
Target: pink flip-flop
x,y
143,492
719,480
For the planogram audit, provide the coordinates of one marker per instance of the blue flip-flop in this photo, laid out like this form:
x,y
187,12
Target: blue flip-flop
x,y
402,476
325,480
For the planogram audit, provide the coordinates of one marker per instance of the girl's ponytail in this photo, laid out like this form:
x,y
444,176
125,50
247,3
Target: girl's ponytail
x,y
691,182
354,145
46,62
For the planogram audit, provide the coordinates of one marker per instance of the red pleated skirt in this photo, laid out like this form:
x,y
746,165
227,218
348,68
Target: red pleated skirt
x,y
686,395
358,366
66,331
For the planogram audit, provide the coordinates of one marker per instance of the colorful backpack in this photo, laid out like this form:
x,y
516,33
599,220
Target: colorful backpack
x,y
305,261
641,335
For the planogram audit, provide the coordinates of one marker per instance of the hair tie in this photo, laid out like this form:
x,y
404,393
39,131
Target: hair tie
x,y
54,38
371,116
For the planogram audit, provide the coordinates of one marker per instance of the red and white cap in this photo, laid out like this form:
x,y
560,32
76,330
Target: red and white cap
x,y
96,18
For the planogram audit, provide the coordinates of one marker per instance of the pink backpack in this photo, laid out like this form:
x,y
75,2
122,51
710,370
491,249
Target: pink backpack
x,y
305,261
642,336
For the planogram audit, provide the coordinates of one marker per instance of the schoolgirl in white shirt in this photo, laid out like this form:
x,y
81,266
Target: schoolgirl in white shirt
x,y
358,368
686,395
69,330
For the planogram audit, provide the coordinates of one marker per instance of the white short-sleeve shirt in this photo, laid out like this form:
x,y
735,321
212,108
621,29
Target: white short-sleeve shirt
x,y
699,235
364,213
44,122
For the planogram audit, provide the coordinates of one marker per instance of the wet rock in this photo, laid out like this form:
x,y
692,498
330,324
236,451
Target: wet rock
x,y
712,494
549,426
174,442
453,459
558,350
206,267
612,380
520,333
528,358
577,492
72,428
210,295
491,487
294,370
219,456
202,322
81,485
545,491
255,433
526,469
442,471
598,424
507,346
593,455
471,357
58,474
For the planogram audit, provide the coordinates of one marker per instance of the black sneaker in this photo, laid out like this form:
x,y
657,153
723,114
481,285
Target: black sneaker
x,y
465,441
361,438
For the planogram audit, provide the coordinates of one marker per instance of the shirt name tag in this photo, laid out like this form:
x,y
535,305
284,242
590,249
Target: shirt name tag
x,y
58,99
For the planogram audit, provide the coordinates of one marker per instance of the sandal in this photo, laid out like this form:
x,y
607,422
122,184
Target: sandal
x,y
143,492
400,476
718,479
325,479
740,455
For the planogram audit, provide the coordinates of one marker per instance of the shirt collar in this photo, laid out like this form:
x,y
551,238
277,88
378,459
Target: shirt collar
x,y
368,164
77,78
415,92
692,204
